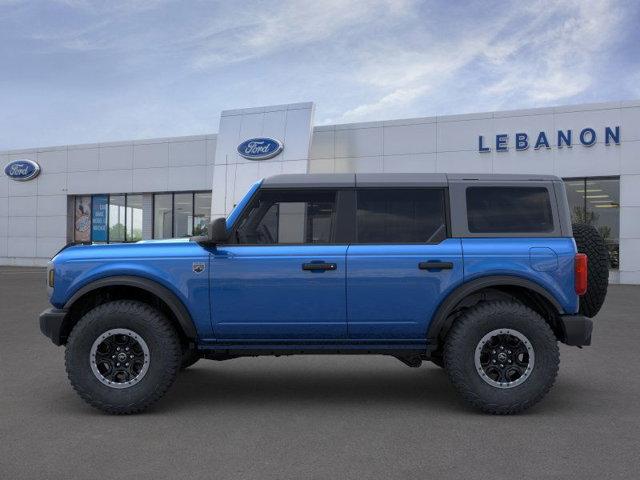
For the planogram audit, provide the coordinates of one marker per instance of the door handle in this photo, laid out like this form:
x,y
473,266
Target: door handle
x,y
319,266
435,265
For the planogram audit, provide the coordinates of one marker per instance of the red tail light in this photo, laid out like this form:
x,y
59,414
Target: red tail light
x,y
581,273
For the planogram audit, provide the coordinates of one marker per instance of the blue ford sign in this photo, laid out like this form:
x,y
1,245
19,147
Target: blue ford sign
x,y
260,148
565,138
22,170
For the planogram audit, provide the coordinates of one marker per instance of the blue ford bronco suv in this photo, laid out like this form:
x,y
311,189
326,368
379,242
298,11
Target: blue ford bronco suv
x,y
480,274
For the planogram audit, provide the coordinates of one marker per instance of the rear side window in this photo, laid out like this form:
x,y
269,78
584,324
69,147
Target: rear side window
x,y
509,210
401,216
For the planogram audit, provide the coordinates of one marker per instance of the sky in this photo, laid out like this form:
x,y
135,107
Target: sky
x,y
80,71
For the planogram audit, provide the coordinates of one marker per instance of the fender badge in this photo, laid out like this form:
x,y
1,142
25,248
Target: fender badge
x,y
198,267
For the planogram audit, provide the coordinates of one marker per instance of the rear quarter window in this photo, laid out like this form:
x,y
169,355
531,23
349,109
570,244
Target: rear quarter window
x,y
509,210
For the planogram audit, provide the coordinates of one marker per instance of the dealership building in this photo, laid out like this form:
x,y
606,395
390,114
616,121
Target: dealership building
x,y
171,187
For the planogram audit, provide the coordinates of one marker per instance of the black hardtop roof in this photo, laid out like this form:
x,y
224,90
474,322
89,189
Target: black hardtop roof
x,y
344,180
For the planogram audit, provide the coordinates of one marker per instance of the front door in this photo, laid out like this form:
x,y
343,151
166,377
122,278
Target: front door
x,y
281,277
401,264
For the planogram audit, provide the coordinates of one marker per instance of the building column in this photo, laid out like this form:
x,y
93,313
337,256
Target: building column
x,y
291,124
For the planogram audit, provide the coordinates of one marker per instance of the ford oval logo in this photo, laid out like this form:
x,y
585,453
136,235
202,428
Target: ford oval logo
x,y
260,148
22,170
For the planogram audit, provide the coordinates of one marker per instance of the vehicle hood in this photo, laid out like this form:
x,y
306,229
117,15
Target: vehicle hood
x,y
141,249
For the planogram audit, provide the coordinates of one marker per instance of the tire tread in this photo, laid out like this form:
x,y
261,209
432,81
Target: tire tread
x,y
164,330
455,368
589,241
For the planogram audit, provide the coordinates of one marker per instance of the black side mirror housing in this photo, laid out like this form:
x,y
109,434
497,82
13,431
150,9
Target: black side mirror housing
x,y
217,232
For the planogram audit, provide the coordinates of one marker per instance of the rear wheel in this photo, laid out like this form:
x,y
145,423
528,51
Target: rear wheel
x,y
502,357
122,356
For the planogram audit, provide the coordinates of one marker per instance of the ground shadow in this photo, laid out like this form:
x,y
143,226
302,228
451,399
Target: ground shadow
x,y
427,386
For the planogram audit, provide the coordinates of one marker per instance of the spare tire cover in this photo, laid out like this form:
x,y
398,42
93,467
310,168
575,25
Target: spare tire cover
x,y
589,241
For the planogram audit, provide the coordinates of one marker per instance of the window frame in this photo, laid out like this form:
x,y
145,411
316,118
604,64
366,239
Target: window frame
x,y
458,208
445,206
344,230
337,227
173,210
548,208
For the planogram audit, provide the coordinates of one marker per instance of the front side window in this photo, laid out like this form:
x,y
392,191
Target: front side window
x,y
401,216
289,217
509,210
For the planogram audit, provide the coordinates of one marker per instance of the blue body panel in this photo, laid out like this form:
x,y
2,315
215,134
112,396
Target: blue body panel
x,y
388,296
261,292
549,262
169,263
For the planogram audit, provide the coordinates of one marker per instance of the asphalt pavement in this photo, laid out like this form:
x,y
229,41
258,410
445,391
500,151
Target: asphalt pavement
x,y
319,417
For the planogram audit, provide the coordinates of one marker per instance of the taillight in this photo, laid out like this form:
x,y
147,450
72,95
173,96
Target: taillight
x,y
581,273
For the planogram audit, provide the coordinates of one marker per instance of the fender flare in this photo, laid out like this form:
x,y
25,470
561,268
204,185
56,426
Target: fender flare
x,y
439,321
167,296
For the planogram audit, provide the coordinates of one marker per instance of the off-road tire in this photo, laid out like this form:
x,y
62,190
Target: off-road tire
x,y
164,352
189,357
589,241
437,360
464,337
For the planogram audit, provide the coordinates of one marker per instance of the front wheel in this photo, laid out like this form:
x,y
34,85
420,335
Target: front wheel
x,y
502,357
122,356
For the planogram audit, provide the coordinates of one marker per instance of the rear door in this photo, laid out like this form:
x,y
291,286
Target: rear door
x,y
401,264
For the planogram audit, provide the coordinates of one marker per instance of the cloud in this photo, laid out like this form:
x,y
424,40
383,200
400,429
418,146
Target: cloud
x,y
407,76
255,33
542,52
398,98
85,71
555,63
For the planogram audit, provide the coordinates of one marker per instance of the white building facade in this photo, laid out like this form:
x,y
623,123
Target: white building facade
x,y
171,187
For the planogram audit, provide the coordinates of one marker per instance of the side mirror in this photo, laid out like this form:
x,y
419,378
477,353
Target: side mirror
x,y
218,231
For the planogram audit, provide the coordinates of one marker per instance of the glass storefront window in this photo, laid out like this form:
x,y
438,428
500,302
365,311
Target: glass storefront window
x,y
99,216
183,215
82,219
162,215
596,202
105,218
134,218
117,218
201,213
